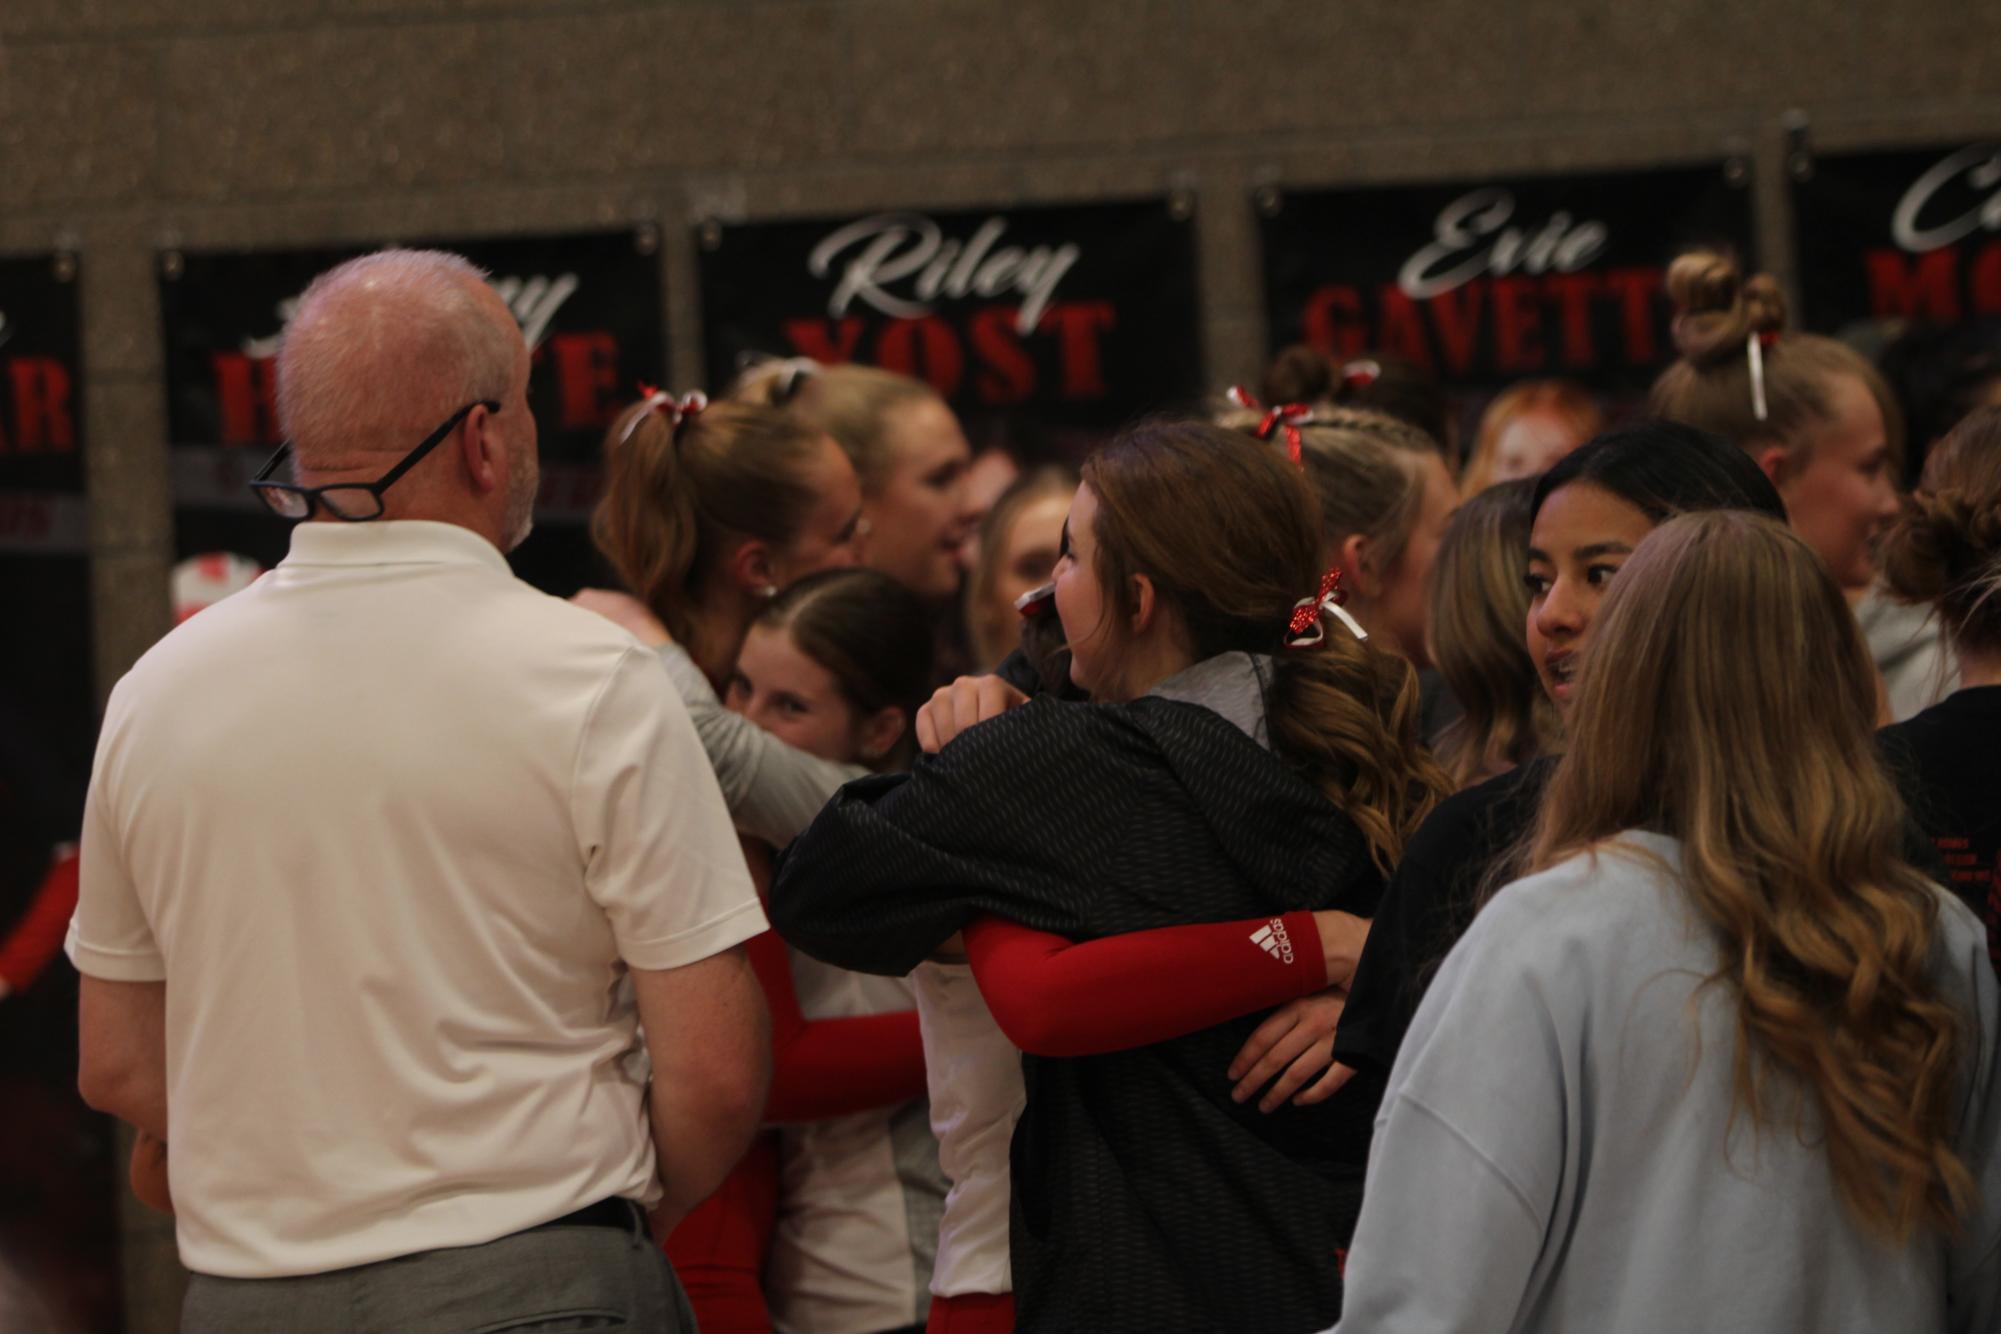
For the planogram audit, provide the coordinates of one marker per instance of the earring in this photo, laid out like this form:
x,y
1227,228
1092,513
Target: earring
x,y
768,592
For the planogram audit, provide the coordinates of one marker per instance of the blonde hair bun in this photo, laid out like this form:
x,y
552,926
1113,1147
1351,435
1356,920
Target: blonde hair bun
x,y
1717,308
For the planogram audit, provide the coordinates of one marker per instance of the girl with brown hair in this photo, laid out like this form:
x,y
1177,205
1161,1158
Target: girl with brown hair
x,y
1944,552
908,450
708,510
1479,602
1821,422
1385,497
1246,754
1586,514
1723,1058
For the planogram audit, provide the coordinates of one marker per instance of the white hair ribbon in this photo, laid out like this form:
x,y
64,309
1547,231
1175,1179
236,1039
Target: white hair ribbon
x,y
1754,348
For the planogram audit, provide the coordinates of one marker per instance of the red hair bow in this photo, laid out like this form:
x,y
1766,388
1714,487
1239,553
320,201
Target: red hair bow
x,y
1305,630
678,411
1290,416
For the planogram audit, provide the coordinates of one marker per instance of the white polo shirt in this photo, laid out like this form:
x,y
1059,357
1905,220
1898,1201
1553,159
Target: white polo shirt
x,y
390,823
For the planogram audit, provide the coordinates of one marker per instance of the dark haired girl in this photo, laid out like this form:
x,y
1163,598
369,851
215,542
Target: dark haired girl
x,y
1587,514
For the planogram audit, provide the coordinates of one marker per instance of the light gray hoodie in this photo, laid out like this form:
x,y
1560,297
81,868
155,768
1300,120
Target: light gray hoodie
x,y
1551,1151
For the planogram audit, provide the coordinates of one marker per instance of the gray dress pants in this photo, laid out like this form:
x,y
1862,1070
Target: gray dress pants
x,y
545,1281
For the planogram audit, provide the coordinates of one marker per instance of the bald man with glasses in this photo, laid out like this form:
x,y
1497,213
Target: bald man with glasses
x,y
399,877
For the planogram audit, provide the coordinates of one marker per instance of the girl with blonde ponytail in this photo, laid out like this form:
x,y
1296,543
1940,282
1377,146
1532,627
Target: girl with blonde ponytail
x,y
1247,755
1822,423
1723,1059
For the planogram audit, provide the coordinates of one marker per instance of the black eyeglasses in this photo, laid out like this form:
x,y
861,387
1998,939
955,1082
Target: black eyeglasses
x,y
354,502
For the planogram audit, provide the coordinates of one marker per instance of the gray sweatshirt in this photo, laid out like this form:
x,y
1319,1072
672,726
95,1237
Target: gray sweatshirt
x,y
773,790
1551,1155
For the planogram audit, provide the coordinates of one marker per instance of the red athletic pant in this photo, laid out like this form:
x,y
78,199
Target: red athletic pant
x,y
719,1249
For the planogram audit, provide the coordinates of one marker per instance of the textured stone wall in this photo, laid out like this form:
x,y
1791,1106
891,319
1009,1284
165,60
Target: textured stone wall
x,y
131,125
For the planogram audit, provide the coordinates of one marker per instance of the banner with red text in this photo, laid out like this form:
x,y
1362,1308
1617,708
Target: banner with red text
x,y
1070,319
1491,281
1911,234
589,305
46,699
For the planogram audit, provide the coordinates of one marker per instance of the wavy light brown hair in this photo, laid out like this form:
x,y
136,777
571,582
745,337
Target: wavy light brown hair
x,y
1479,603
1945,546
1690,721
1228,532
675,500
1717,311
850,403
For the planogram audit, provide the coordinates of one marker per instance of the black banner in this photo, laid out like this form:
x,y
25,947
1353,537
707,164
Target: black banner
x,y
1487,282
1076,317
589,305
58,1230
46,677
1909,234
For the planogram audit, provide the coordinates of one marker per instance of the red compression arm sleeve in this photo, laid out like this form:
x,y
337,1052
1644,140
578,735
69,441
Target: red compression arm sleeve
x,y
1054,997
39,934
830,1067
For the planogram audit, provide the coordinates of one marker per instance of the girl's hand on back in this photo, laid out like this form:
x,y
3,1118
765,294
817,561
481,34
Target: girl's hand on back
x,y
1295,1044
956,707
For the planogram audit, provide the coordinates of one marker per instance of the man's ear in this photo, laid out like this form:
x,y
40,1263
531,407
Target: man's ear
x,y
880,732
1145,603
480,448
1355,560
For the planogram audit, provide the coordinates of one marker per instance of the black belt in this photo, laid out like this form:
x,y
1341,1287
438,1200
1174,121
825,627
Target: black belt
x,y
616,1212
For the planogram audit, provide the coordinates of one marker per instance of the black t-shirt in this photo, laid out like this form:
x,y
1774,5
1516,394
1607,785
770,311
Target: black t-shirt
x,y
1949,763
1428,905
1432,898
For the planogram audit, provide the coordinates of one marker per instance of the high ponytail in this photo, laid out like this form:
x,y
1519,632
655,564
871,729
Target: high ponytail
x,y
677,492
1346,714
1228,532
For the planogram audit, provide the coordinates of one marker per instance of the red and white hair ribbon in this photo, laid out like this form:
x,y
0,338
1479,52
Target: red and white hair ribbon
x,y
1287,416
1306,628
678,411
1361,374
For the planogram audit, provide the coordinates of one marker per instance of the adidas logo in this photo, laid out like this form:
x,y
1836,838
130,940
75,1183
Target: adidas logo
x,y
1274,940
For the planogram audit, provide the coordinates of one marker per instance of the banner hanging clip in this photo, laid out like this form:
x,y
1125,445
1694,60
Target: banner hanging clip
x,y
1799,152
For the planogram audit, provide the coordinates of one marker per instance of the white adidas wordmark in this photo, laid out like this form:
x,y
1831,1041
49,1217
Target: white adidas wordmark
x,y
1274,940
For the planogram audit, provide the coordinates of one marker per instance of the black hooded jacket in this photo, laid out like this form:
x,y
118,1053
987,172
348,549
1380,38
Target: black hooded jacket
x,y
1143,1197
